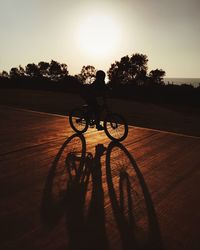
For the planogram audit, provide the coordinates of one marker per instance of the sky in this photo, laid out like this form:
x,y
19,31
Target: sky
x,y
98,33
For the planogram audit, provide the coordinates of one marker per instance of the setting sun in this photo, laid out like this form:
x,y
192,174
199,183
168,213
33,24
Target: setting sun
x,y
98,35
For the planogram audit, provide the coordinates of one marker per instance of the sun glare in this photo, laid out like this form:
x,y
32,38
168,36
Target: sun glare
x,y
98,35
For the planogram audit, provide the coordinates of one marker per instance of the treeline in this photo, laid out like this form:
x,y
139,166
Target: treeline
x,y
44,76
128,78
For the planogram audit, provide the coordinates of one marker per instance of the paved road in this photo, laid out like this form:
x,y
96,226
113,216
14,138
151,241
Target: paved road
x,y
63,191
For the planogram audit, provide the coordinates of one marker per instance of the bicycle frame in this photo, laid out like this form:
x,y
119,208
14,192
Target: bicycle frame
x,y
90,113
115,126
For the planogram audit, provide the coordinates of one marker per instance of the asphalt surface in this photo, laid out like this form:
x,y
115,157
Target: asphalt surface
x,y
63,191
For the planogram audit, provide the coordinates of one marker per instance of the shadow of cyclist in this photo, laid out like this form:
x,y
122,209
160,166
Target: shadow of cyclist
x,y
74,190
88,233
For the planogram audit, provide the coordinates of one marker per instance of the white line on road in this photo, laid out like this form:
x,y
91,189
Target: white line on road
x,y
142,128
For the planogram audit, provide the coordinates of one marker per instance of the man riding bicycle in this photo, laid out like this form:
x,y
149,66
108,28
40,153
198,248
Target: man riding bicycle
x,y
80,118
95,96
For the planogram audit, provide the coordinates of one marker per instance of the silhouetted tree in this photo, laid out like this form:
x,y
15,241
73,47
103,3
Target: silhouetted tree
x,y
32,70
44,68
57,71
156,76
87,74
4,74
129,69
65,71
22,70
15,73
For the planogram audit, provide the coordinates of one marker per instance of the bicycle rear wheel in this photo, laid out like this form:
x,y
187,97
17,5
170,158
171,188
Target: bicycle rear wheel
x,y
78,121
116,127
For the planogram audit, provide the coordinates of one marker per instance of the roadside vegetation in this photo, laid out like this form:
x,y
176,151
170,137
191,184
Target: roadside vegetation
x,y
128,78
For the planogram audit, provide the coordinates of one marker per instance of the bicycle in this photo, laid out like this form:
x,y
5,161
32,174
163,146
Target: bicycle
x,y
115,126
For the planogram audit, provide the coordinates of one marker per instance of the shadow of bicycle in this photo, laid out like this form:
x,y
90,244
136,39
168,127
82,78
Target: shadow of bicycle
x,y
75,192
52,206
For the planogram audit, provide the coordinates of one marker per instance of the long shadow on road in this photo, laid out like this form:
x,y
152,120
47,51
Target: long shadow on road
x,y
74,190
131,201
52,206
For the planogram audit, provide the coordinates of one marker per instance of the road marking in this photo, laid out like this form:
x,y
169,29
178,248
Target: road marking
x,y
166,132
33,111
132,126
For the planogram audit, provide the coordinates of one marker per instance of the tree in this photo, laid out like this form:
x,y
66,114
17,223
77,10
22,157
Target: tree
x,y
156,76
4,74
87,74
57,71
119,72
129,69
44,68
64,68
32,70
15,73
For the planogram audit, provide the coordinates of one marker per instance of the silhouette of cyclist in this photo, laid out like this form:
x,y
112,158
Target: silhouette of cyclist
x,y
96,96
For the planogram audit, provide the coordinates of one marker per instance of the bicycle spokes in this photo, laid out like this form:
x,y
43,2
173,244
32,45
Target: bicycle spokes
x,y
78,121
115,127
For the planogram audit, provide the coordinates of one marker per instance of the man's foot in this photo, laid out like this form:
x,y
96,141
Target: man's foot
x,y
99,127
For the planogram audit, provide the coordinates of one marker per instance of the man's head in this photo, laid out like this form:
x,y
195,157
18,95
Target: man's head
x,y
100,75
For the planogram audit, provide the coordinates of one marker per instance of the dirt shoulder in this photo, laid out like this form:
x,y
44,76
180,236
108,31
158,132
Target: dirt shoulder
x,y
137,114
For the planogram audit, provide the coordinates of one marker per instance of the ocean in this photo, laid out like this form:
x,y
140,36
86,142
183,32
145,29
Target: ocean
x,y
193,81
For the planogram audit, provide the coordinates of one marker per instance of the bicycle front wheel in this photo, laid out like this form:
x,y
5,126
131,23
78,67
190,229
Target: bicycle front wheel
x,y
78,121
116,127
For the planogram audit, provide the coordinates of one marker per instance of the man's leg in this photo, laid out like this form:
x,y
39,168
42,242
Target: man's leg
x,y
97,117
